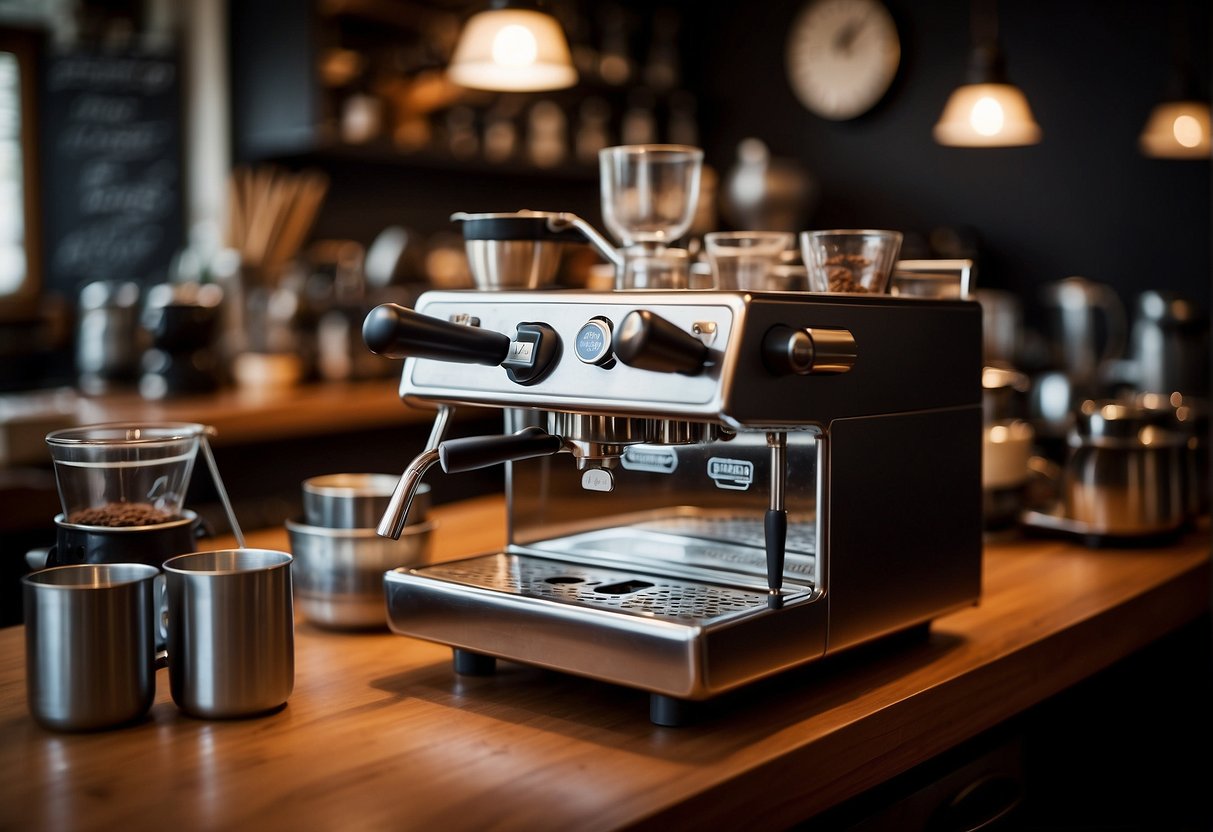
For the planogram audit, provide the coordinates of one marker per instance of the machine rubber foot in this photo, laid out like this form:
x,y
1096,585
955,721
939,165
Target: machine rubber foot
x,y
670,711
468,663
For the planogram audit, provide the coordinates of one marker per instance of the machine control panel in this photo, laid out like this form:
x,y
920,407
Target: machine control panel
x,y
563,351
747,360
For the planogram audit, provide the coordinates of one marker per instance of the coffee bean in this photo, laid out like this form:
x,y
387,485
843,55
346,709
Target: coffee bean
x,y
120,514
845,273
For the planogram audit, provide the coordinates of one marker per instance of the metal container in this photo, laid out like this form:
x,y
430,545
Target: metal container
x,y
355,501
1126,471
107,342
1004,394
1169,348
514,250
89,644
231,632
1006,451
339,572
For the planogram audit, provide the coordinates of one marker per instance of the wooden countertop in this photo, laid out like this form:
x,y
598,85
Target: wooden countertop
x,y
379,733
239,415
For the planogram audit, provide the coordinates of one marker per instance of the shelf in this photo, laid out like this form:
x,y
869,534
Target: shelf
x,y
239,415
381,153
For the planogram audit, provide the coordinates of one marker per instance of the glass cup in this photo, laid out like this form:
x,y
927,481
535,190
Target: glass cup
x,y
668,268
649,191
745,259
850,261
124,474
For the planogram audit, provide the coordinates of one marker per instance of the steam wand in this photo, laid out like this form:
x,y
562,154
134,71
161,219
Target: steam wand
x,y
775,524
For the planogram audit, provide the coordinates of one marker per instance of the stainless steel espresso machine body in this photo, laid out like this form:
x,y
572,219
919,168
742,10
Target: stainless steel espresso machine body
x,y
757,480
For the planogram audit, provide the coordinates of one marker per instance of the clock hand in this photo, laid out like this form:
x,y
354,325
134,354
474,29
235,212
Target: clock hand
x,y
849,33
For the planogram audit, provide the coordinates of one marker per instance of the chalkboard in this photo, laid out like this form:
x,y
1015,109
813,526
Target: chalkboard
x,y
112,168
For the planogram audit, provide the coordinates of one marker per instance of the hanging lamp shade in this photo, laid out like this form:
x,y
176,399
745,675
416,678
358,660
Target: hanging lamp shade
x,y
1178,126
510,48
987,110
1177,130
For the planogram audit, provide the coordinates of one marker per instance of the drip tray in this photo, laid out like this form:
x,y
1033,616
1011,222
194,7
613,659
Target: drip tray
x,y
649,596
671,635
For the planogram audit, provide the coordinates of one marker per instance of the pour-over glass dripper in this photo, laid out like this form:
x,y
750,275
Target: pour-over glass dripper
x,y
124,474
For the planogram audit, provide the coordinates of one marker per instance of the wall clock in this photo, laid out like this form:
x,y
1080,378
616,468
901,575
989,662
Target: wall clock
x,y
842,56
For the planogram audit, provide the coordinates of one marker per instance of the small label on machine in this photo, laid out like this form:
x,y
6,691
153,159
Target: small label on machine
x,y
651,458
521,353
731,474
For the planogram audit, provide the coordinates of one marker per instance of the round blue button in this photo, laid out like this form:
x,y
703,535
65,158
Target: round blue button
x,y
593,342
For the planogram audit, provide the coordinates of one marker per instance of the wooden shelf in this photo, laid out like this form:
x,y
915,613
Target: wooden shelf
x,y
383,153
239,416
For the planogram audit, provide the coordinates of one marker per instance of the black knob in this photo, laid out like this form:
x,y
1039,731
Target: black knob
x,y
786,350
650,342
397,332
808,351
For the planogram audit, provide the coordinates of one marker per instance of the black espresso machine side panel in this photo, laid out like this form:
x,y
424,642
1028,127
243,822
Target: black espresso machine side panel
x,y
909,355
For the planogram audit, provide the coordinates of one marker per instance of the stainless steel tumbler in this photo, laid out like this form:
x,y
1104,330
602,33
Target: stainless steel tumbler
x,y
231,631
89,644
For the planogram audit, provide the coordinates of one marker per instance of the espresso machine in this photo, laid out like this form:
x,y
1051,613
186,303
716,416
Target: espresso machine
x,y
704,488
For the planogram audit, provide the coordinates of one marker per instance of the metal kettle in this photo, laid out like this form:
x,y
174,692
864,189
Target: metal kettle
x,y
1087,328
1126,474
1169,345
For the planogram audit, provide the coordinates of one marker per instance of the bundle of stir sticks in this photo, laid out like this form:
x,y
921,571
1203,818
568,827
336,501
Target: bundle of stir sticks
x,y
270,213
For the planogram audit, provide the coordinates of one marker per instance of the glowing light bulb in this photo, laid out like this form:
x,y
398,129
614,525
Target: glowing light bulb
x,y
515,45
987,117
1187,131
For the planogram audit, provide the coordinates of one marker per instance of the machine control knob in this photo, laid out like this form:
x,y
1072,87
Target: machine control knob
x,y
808,351
649,342
593,344
397,332
532,354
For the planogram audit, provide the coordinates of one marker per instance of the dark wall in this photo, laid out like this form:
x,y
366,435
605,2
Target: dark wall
x,y
1084,201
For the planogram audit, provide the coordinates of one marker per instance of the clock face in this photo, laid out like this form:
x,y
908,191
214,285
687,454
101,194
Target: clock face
x,y
842,56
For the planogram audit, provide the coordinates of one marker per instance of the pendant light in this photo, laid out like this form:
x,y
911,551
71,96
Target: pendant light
x,y
1177,130
1178,126
513,46
987,110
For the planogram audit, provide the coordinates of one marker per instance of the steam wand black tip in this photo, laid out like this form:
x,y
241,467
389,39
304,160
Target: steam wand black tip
x,y
775,527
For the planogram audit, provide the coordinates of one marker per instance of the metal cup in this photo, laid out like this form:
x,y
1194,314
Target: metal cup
x,y
231,636
89,644
355,501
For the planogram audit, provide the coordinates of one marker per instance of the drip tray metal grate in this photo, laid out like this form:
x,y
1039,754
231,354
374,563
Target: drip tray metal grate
x,y
637,593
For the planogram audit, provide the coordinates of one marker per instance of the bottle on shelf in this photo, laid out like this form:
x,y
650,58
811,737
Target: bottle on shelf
x,y
683,127
462,139
615,65
639,122
661,69
501,129
593,125
547,145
